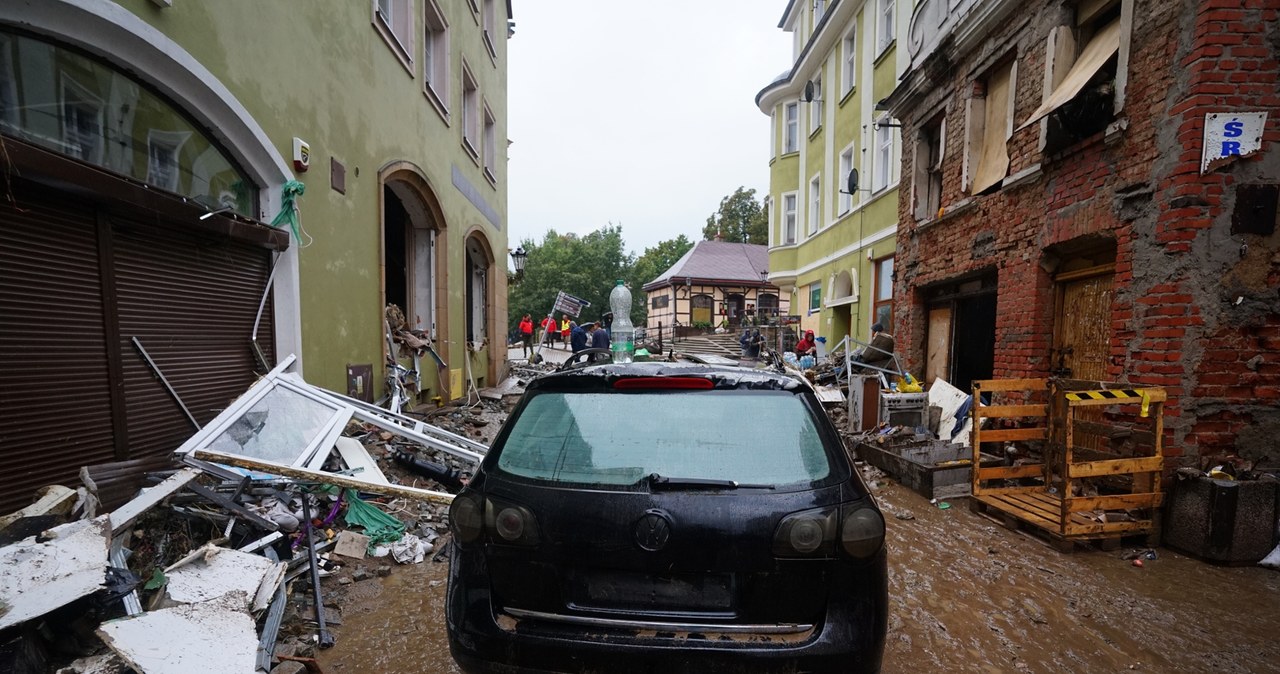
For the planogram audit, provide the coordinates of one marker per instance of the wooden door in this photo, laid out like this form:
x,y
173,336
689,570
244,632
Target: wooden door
x,y
1082,344
938,349
1082,326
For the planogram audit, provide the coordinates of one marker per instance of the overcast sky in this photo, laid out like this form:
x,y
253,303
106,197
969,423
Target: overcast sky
x,y
638,113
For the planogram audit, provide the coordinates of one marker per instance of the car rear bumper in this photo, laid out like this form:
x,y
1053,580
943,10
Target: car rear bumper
x,y
849,639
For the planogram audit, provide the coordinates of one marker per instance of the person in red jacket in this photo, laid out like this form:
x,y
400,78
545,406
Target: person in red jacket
x,y
549,331
526,335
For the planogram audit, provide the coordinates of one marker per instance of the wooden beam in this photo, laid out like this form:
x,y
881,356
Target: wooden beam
x,y
1011,385
1006,434
1115,502
1108,528
1010,472
1148,464
325,478
1008,411
124,516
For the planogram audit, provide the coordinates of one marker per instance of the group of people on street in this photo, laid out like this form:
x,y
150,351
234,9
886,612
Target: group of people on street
x,y
589,335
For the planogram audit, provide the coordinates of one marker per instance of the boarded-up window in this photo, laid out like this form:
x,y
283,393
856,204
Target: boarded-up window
x,y
990,124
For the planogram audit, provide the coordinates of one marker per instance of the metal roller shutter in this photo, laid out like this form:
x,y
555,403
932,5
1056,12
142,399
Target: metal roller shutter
x,y
55,407
191,300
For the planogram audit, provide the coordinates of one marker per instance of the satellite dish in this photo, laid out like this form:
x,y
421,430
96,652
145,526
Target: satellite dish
x,y
808,91
853,181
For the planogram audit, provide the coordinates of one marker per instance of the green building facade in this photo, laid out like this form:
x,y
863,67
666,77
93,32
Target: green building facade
x,y
830,247
149,145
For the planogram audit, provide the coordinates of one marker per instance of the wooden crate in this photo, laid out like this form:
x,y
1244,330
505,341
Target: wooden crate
x,y
1093,435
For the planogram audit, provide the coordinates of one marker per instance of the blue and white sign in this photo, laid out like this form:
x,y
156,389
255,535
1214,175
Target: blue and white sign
x,y
1231,134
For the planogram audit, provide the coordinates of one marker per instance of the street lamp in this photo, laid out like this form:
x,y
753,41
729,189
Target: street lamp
x,y
518,257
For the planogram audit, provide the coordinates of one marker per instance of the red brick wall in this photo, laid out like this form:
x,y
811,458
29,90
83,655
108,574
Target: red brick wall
x,y
1174,318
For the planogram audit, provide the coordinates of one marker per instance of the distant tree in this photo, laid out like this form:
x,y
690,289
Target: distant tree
x,y
650,265
583,266
740,219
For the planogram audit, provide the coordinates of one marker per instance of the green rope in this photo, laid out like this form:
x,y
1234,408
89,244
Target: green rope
x,y
289,207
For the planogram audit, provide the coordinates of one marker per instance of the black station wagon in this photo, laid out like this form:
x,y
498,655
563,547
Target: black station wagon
x,y
667,517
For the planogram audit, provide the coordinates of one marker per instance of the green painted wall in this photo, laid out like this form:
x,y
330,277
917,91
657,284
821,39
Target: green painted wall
x,y
320,71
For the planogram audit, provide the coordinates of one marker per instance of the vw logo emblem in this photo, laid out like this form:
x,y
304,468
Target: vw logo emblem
x,y
653,531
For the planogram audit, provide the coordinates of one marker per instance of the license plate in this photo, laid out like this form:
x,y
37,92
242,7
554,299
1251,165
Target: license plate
x,y
656,592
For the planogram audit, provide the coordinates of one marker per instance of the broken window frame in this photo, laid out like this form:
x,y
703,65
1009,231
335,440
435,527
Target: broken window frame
x,y
930,150
1074,55
313,456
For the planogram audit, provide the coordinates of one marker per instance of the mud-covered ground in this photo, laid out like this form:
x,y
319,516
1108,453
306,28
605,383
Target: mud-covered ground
x,y
966,595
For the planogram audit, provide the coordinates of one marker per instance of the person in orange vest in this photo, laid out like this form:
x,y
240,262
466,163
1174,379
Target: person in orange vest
x,y
549,332
526,336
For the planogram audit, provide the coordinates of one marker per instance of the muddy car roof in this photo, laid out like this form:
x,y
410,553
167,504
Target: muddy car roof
x,y
724,376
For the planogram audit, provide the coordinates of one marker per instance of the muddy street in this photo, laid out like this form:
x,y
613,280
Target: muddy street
x,y
965,594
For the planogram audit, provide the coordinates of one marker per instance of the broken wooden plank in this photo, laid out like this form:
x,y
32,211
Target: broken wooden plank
x,y
54,499
322,477
1115,467
124,516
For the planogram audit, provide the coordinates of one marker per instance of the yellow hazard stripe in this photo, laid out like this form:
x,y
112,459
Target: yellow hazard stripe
x,y
1109,394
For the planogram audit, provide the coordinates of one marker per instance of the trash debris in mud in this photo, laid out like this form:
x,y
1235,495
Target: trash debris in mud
x,y
242,542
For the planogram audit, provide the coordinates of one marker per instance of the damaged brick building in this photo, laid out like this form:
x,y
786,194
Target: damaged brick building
x,y
1092,193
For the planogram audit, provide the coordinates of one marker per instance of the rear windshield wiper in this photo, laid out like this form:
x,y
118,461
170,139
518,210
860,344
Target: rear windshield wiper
x,y
659,482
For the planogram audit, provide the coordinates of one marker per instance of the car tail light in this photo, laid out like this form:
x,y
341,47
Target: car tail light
x,y
861,531
659,383
510,523
466,516
808,533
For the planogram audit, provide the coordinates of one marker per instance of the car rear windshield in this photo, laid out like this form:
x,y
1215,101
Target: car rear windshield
x,y
749,437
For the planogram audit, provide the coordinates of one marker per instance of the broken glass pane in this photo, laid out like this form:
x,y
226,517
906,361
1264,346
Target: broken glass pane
x,y
278,428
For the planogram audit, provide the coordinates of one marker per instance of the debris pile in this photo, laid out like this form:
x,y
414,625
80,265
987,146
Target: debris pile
x,y
238,560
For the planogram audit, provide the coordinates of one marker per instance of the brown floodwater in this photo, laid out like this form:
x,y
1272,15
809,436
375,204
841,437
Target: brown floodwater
x,y
966,595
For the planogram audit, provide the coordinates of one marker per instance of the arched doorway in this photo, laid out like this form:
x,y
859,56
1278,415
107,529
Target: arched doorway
x,y
485,338
413,276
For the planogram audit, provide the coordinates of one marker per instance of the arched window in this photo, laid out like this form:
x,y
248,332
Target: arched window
x,y
64,101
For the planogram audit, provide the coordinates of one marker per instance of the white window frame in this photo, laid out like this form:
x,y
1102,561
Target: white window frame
x,y
791,127
886,25
819,9
882,161
768,214
490,141
842,179
816,106
435,57
470,112
815,204
789,224
487,28
163,164
79,98
386,15
849,65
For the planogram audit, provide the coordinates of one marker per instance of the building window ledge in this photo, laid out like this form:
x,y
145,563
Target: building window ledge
x,y
884,51
958,208
1025,176
848,95
436,103
1115,131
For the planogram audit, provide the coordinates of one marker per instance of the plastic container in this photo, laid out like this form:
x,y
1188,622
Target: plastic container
x,y
622,334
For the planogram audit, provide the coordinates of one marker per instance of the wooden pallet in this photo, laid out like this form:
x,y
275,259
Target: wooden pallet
x,y
1036,514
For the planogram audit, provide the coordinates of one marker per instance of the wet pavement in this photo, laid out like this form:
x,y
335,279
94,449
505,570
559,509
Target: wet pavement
x,y
966,595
